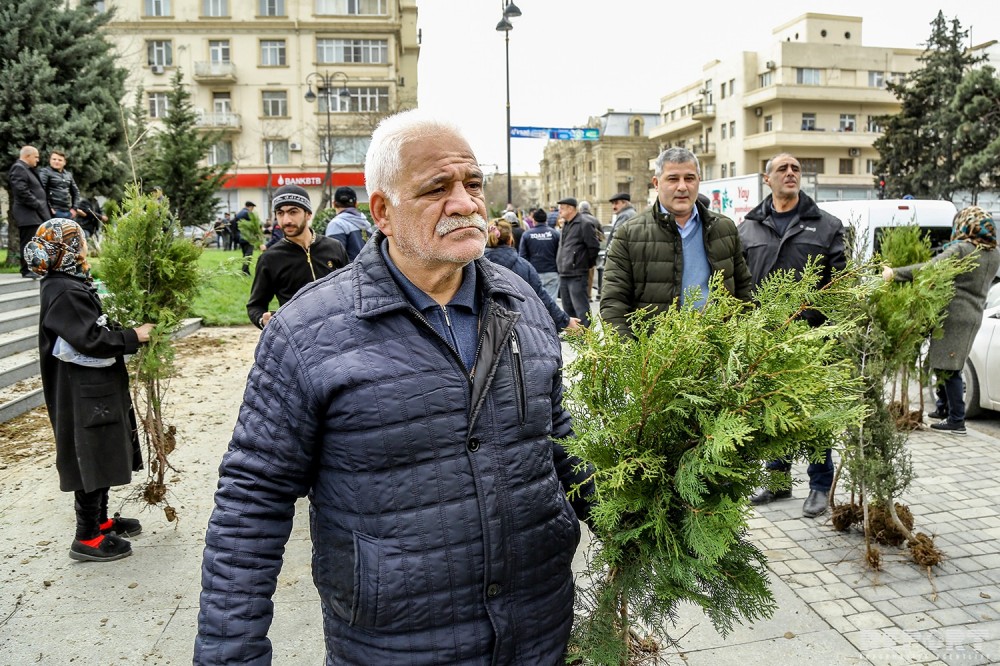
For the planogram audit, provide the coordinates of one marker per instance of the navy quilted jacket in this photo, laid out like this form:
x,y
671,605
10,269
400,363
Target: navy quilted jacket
x,y
441,529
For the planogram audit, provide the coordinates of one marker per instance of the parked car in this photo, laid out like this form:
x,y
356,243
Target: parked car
x,y
982,371
865,220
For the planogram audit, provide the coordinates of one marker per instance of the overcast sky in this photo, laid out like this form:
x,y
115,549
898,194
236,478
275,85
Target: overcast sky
x,y
572,59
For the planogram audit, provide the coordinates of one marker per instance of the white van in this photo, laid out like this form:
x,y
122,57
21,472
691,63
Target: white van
x,y
866,218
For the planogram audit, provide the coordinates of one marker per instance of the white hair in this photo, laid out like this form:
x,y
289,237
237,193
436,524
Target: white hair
x,y
383,164
584,206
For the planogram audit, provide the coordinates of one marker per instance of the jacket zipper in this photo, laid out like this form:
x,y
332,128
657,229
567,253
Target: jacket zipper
x,y
518,372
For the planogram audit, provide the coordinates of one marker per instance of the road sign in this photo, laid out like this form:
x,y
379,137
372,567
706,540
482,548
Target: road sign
x,y
557,133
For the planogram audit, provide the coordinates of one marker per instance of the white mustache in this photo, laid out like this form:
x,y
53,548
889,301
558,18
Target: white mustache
x,y
449,224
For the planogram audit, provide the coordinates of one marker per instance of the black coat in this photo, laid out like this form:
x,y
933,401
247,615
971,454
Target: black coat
x,y
90,408
28,204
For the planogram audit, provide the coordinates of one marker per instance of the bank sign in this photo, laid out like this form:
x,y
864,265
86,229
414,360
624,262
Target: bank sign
x,y
556,133
302,179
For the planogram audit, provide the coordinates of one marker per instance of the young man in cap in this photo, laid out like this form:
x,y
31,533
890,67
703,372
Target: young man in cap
x,y
577,255
349,226
296,260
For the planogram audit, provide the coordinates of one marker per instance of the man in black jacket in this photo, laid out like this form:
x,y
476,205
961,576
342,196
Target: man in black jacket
x,y
60,188
578,248
28,206
784,232
296,260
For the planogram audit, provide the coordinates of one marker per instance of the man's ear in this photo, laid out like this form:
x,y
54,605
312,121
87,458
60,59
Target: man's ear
x,y
380,208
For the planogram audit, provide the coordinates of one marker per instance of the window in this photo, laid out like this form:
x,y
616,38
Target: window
x,y
625,187
275,103
807,76
160,53
222,103
272,8
846,166
100,6
722,90
215,8
346,149
357,100
373,51
873,124
158,105
220,153
876,79
848,122
724,171
218,51
812,165
272,53
765,79
732,87
707,172
624,163
722,132
808,123
276,151
732,169
869,166
157,7
768,123
367,7
732,129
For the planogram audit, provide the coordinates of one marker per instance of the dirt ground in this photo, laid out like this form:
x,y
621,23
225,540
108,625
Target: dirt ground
x,y
205,361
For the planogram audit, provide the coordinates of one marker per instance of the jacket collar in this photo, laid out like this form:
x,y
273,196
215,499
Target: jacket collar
x,y
807,209
376,291
667,221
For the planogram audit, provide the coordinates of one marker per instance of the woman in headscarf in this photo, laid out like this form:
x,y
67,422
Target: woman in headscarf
x,y
973,232
500,250
86,389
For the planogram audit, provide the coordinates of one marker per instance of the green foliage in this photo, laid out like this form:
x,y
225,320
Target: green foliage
x,y
918,149
976,106
677,423
320,219
175,161
252,231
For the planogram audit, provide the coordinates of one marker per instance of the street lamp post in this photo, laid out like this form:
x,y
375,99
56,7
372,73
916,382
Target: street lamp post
x,y
324,83
510,10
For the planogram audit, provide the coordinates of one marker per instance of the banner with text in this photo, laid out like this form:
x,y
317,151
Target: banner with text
x,y
557,133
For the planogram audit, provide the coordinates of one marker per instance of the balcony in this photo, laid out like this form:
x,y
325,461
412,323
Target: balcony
x,y
215,72
703,111
224,121
704,149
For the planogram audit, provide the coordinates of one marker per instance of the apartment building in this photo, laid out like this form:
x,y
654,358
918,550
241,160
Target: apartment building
x,y
292,85
815,91
597,170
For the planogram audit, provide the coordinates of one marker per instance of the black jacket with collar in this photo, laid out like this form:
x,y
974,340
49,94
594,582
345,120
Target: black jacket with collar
x,y
811,233
60,188
28,205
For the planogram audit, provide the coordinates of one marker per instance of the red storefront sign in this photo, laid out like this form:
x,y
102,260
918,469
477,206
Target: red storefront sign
x,y
305,179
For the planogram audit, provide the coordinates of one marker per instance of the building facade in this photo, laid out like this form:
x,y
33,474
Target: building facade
x,y
597,170
815,92
292,85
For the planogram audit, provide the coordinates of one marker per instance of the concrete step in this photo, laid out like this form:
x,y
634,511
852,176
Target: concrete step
x,y
19,340
13,320
13,283
18,367
18,300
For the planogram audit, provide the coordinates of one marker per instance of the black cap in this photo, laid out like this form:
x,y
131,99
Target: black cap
x,y
345,196
621,196
250,204
569,201
291,195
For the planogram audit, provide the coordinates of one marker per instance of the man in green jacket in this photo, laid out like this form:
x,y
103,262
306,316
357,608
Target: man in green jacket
x,y
675,245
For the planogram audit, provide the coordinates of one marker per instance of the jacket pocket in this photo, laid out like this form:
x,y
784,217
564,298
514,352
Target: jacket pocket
x,y
517,372
367,557
99,405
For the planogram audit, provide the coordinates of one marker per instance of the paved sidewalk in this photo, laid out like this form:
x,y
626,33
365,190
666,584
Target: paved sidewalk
x,y
832,611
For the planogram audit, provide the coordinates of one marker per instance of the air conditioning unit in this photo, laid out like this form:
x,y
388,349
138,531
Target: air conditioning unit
x,y
770,64
157,69
294,146
854,152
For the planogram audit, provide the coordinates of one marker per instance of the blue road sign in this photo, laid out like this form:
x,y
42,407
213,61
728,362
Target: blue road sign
x,y
557,133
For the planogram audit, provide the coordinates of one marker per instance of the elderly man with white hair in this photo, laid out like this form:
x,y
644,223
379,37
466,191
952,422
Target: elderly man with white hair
x,y
416,397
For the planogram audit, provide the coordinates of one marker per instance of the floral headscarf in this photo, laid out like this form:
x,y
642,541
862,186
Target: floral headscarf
x,y
57,246
976,226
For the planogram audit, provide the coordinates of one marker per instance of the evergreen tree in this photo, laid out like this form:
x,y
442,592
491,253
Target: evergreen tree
x,y
976,106
176,162
60,87
918,148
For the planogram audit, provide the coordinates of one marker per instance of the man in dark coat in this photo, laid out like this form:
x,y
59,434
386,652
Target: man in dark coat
x,y
673,247
784,232
60,188
577,254
539,246
298,258
416,397
28,206
85,383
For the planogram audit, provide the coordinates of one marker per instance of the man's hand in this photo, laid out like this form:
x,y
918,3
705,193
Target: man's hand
x,y
574,326
142,332
264,319
887,274
72,213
